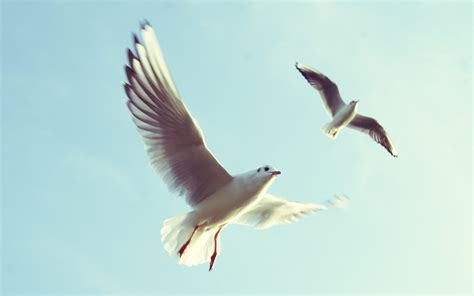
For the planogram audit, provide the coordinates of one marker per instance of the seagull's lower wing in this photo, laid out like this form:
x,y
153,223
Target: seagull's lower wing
x,y
371,127
172,137
272,210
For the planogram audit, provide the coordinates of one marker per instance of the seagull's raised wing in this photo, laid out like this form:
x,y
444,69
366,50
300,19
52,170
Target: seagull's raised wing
x,y
172,137
272,210
327,89
371,127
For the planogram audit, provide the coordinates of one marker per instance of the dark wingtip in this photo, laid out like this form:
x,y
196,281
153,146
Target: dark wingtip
x,y
144,23
135,38
129,71
297,66
389,149
126,88
131,56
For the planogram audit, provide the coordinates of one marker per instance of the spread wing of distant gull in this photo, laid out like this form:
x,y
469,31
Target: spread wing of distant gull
x,y
344,114
178,152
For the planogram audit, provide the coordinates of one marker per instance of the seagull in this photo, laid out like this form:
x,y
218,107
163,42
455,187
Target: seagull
x,y
177,151
344,114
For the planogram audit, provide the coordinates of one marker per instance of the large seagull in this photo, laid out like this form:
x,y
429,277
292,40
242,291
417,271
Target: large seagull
x,y
177,150
344,114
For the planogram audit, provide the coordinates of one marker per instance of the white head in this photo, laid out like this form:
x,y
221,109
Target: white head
x,y
258,180
353,105
267,170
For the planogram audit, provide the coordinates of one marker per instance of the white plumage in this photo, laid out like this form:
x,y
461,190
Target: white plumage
x,y
344,114
177,150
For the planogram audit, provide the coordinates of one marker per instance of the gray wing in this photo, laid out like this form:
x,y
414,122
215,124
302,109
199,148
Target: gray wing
x,y
173,139
327,89
371,127
272,210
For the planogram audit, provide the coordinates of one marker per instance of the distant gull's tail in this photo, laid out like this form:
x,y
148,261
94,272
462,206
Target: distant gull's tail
x,y
330,130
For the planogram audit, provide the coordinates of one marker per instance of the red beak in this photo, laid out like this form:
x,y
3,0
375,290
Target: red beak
x,y
276,173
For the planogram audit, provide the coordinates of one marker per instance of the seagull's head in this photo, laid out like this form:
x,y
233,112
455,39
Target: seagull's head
x,y
267,171
353,105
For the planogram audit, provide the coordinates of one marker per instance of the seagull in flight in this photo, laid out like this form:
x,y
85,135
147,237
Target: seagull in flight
x,y
177,151
344,114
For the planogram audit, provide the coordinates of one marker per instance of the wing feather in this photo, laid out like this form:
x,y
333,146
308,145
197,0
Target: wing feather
x,y
272,210
173,139
327,89
371,127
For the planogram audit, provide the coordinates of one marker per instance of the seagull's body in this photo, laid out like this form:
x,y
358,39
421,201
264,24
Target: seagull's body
x,y
178,152
341,119
344,114
233,199
224,207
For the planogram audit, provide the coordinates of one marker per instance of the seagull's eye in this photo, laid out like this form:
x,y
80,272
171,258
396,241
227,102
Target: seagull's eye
x,y
258,170
266,169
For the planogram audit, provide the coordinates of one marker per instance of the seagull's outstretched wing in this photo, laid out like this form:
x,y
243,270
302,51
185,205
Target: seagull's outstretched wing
x,y
172,137
272,210
327,89
371,127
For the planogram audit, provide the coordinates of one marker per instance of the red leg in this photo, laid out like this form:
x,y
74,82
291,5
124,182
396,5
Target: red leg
x,y
213,257
185,245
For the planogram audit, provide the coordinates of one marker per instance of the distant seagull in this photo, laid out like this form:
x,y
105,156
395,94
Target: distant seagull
x,y
342,113
178,152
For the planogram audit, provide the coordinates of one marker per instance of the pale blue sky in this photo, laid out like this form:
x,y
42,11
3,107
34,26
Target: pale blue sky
x,y
82,208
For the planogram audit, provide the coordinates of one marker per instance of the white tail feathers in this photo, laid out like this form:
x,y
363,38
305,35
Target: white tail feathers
x,y
175,233
330,130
